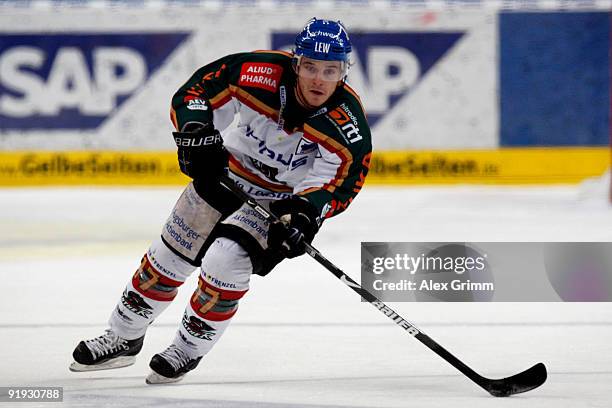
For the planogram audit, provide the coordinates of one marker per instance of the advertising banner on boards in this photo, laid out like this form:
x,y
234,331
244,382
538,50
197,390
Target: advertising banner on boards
x,y
451,95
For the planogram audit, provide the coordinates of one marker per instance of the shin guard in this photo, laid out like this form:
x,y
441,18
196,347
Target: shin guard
x,y
149,292
206,317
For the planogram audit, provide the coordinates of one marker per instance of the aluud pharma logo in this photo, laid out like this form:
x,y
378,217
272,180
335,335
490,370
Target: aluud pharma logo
x,y
387,65
74,81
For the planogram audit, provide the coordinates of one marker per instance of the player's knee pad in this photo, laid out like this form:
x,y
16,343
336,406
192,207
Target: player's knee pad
x,y
226,272
212,303
227,265
168,263
160,274
153,284
195,214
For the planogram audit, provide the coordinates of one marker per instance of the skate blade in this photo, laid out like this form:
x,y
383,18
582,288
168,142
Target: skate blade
x,y
118,362
154,378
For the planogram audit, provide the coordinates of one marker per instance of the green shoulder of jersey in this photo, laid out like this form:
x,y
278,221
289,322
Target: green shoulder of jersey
x,y
252,77
343,130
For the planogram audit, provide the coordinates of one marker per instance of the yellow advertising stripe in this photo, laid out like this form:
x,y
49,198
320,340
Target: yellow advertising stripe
x,y
28,168
500,166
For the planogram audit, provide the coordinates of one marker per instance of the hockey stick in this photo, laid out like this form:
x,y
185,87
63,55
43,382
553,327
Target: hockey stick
x,y
521,382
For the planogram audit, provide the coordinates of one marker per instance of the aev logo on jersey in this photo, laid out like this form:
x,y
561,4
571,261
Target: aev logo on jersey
x,y
387,66
74,81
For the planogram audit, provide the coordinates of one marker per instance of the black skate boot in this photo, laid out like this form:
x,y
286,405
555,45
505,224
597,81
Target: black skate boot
x,y
170,366
105,352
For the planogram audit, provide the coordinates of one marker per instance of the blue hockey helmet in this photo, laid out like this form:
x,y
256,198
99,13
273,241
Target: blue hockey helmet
x,y
325,40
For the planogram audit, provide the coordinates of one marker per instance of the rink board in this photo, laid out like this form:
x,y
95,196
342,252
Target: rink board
x,y
453,95
502,166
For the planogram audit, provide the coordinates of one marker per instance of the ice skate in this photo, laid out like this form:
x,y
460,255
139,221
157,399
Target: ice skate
x,y
105,352
170,366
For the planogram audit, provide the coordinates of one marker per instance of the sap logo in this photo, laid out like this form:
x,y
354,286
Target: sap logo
x,y
322,47
69,83
74,81
387,66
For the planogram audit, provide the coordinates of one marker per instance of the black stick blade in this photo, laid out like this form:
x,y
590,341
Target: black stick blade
x,y
521,382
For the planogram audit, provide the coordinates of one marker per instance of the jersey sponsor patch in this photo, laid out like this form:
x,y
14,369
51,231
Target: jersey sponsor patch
x,y
346,120
197,104
260,75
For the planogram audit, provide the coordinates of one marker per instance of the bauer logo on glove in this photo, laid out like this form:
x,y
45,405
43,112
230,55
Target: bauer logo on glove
x,y
194,140
200,151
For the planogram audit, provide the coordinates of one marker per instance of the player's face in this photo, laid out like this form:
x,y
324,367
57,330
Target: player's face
x,y
317,80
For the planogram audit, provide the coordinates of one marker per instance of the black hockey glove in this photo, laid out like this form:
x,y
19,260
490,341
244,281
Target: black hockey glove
x,y
297,225
200,151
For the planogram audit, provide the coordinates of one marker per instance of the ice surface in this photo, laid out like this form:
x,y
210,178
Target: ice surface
x,y
301,338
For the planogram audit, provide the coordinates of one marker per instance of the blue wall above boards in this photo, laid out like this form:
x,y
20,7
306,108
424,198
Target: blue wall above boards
x,y
554,78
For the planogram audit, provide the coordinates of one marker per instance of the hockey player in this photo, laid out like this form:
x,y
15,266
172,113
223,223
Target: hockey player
x,y
302,147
